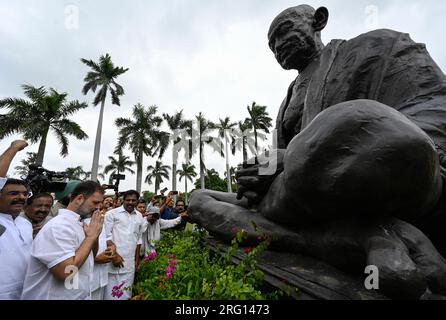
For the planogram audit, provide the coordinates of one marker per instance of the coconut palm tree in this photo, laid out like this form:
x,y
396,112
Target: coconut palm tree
x,y
258,120
75,173
203,130
119,165
188,173
175,123
244,139
157,172
102,75
22,171
143,136
87,175
225,131
231,175
44,111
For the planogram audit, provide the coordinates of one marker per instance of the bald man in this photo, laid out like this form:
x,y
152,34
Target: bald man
x,y
360,159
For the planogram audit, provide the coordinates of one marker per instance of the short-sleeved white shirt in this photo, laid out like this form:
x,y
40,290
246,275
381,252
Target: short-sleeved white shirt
x,y
125,230
56,242
15,248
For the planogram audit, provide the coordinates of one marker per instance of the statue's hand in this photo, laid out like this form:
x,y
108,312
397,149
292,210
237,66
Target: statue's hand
x,y
255,179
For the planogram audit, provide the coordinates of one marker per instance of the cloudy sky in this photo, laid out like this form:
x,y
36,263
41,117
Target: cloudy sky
x,y
197,55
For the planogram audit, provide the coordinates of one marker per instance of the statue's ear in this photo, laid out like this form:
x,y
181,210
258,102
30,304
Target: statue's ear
x,y
320,19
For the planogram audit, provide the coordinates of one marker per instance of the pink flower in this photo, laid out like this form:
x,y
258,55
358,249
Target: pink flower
x,y
171,269
117,291
152,256
171,257
234,230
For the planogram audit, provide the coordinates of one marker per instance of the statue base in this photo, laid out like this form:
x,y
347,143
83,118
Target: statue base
x,y
303,277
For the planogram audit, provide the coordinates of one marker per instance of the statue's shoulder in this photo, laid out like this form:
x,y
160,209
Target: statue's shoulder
x,y
377,44
380,38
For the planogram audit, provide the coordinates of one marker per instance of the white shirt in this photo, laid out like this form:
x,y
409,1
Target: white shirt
x,y
15,248
56,242
100,271
125,230
153,233
41,224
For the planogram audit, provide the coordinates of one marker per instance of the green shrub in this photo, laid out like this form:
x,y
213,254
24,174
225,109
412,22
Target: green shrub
x,y
184,268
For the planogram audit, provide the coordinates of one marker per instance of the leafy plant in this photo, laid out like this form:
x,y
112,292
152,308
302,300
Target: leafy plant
x,y
183,268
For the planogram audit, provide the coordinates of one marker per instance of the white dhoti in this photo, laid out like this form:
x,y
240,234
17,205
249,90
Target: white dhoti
x,y
119,286
98,294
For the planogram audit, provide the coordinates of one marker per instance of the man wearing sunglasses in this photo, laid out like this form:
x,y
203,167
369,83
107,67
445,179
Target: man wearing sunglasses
x,y
15,231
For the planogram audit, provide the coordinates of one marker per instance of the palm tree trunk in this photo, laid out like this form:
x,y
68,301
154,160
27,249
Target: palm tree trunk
x,y
97,144
228,174
201,167
139,171
42,146
255,140
185,188
245,152
174,169
202,178
157,185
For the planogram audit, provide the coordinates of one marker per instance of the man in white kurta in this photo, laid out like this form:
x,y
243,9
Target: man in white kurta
x,y
124,227
62,254
16,239
154,227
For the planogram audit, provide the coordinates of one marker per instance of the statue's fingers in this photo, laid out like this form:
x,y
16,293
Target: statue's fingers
x,y
425,255
253,171
241,190
249,182
399,276
252,196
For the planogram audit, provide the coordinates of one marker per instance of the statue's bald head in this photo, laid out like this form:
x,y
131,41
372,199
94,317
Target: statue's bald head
x,y
297,29
303,13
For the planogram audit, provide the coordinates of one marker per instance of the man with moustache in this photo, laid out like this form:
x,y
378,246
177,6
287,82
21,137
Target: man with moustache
x,y
5,161
16,240
124,227
15,232
37,211
62,254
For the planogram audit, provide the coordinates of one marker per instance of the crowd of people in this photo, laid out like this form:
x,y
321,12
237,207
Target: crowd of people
x,y
78,243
